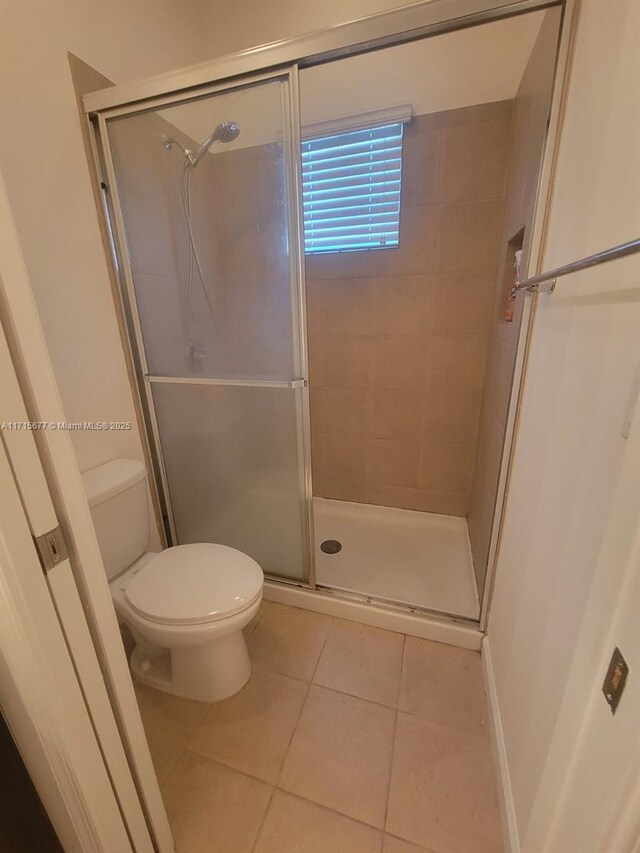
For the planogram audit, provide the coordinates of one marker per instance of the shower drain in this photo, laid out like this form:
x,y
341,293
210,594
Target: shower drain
x,y
331,546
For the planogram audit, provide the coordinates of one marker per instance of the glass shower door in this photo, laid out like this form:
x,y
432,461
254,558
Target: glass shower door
x,y
206,211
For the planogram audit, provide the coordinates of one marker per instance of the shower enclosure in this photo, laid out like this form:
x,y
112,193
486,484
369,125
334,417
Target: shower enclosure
x,y
209,251
202,189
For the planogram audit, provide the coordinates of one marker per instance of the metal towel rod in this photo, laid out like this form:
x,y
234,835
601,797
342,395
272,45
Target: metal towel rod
x,y
546,281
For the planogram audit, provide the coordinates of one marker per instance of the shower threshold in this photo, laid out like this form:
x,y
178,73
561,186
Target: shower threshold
x,y
397,557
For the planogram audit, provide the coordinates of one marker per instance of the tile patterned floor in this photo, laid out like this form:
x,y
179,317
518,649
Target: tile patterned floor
x,y
347,739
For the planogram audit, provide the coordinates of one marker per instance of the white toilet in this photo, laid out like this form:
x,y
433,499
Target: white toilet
x,y
186,606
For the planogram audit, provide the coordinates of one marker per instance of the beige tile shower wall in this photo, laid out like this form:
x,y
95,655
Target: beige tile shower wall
x,y
398,337
238,218
250,198
531,111
236,207
148,178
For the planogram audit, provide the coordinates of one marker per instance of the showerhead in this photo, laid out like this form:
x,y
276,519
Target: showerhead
x,y
226,131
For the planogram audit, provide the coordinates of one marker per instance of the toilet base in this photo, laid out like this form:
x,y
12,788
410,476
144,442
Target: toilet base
x,y
206,673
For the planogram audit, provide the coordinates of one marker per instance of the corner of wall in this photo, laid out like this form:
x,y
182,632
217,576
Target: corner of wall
x,y
499,750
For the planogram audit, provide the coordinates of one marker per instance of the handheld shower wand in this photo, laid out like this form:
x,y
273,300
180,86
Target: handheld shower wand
x,y
226,131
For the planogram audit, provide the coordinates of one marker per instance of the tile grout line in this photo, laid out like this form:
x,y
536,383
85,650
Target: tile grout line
x,y
190,740
451,726
382,828
303,704
393,742
197,728
324,643
465,730
332,811
345,692
275,788
404,649
397,837
338,689
201,722
293,731
355,696
264,818
171,770
393,750
189,748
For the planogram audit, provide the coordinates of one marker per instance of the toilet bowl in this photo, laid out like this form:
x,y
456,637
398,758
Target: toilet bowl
x,y
185,606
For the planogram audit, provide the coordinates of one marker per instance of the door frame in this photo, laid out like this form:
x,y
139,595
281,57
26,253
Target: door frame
x,y
73,752
77,587
298,385
22,456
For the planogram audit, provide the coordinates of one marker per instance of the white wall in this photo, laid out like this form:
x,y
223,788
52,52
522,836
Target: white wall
x,y
44,162
448,72
445,73
571,456
235,24
595,766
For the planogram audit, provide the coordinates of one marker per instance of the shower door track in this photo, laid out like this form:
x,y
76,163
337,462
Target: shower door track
x,y
402,607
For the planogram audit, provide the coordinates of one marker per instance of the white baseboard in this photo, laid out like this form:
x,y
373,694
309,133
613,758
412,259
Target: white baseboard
x,y
505,794
378,616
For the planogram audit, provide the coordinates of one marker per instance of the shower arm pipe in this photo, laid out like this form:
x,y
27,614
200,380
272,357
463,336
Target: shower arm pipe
x,y
545,282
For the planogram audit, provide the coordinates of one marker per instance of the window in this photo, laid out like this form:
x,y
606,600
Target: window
x,y
351,190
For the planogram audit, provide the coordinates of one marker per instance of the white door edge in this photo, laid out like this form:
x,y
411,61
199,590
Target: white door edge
x,y
41,697
79,585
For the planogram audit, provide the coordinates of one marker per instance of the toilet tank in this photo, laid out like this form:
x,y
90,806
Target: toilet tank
x,y
117,496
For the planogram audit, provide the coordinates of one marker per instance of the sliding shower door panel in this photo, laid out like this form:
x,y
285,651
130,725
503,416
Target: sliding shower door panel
x,y
207,207
232,466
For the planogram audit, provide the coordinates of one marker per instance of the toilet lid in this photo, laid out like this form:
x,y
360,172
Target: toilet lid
x,y
195,583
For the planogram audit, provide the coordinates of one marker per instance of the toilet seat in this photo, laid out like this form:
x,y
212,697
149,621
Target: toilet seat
x,y
191,584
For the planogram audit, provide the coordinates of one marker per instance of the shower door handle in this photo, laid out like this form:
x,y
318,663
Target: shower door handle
x,y
211,380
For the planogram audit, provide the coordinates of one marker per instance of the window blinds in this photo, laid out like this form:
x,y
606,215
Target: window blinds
x,y
351,190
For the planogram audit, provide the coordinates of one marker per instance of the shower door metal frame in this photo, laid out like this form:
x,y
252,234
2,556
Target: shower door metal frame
x,y
372,32
397,26
299,385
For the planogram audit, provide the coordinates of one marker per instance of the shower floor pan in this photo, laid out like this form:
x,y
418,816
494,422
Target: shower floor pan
x,y
412,558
